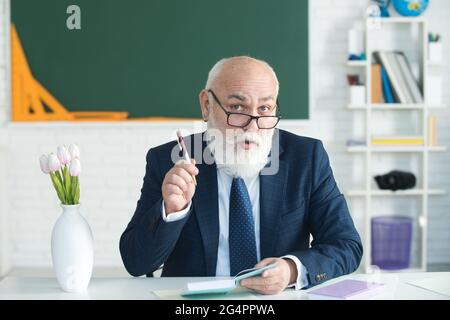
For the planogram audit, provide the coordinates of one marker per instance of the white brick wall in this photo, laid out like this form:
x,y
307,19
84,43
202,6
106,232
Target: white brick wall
x,y
113,156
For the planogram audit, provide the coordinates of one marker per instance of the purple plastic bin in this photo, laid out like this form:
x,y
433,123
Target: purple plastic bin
x,y
391,242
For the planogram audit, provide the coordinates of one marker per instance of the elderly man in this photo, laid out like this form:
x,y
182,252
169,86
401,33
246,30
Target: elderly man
x,y
257,202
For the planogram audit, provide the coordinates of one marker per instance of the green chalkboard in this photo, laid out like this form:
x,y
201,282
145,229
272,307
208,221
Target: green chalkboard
x,y
151,57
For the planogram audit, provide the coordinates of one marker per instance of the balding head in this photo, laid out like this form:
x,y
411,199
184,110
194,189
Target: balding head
x,y
232,67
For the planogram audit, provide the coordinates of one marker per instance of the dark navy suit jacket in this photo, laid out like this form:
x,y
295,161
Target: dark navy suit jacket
x,y
302,199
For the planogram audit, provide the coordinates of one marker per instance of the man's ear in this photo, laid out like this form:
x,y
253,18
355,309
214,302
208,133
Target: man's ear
x,y
204,104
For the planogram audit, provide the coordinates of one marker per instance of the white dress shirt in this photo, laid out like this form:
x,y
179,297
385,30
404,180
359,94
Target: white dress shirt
x,y
224,182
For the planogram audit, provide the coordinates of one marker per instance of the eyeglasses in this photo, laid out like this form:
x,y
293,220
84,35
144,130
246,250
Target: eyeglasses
x,y
241,120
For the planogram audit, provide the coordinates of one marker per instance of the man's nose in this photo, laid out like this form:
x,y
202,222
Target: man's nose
x,y
252,126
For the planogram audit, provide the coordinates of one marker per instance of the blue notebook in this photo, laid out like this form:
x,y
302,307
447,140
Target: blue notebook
x,y
222,286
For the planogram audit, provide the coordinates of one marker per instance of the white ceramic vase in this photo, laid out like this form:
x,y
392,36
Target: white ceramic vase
x,y
72,250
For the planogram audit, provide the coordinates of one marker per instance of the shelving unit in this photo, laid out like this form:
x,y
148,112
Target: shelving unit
x,y
396,106
368,193
357,63
396,149
399,193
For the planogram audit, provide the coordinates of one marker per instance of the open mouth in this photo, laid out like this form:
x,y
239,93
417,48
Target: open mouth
x,y
247,144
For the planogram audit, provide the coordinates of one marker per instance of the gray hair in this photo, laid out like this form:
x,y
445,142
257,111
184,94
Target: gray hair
x,y
215,70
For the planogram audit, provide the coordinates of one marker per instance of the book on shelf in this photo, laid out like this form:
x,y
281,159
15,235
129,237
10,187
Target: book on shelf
x,y
397,140
410,80
356,142
387,89
400,86
398,81
432,131
393,77
377,91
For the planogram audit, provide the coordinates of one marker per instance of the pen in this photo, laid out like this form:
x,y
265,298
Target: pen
x,y
183,149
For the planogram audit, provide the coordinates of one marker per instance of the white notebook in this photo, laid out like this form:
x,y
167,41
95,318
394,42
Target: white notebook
x,y
222,286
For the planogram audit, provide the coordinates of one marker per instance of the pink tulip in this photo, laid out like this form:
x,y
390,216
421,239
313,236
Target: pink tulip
x,y
63,155
75,168
53,162
74,151
43,161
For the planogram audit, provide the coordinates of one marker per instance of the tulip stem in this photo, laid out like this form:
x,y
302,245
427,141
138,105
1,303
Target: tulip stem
x,y
67,184
73,189
58,174
58,187
76,190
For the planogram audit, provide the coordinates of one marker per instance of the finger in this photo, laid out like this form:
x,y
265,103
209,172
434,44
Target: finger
x,y
259,282
266,289
189,167
270,273
178,181
184,174
173,189
265,262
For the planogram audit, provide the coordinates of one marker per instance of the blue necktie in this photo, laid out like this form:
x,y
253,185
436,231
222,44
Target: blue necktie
x,y
241,231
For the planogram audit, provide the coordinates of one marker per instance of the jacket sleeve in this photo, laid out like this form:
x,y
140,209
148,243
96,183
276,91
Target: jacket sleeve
x,y
148,240
336,248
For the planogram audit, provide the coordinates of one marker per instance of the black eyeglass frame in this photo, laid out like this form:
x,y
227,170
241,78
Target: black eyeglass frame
x,y
250,117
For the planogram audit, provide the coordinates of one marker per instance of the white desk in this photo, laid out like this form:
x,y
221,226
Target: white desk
x,y
141,288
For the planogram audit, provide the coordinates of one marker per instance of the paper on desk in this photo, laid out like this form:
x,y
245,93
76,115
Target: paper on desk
x,y
175,294
439,285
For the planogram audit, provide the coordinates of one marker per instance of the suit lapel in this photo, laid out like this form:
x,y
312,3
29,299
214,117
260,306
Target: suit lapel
x,y
206,208
272,192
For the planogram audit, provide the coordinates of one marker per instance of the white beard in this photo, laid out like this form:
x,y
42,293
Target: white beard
x,y
232,157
